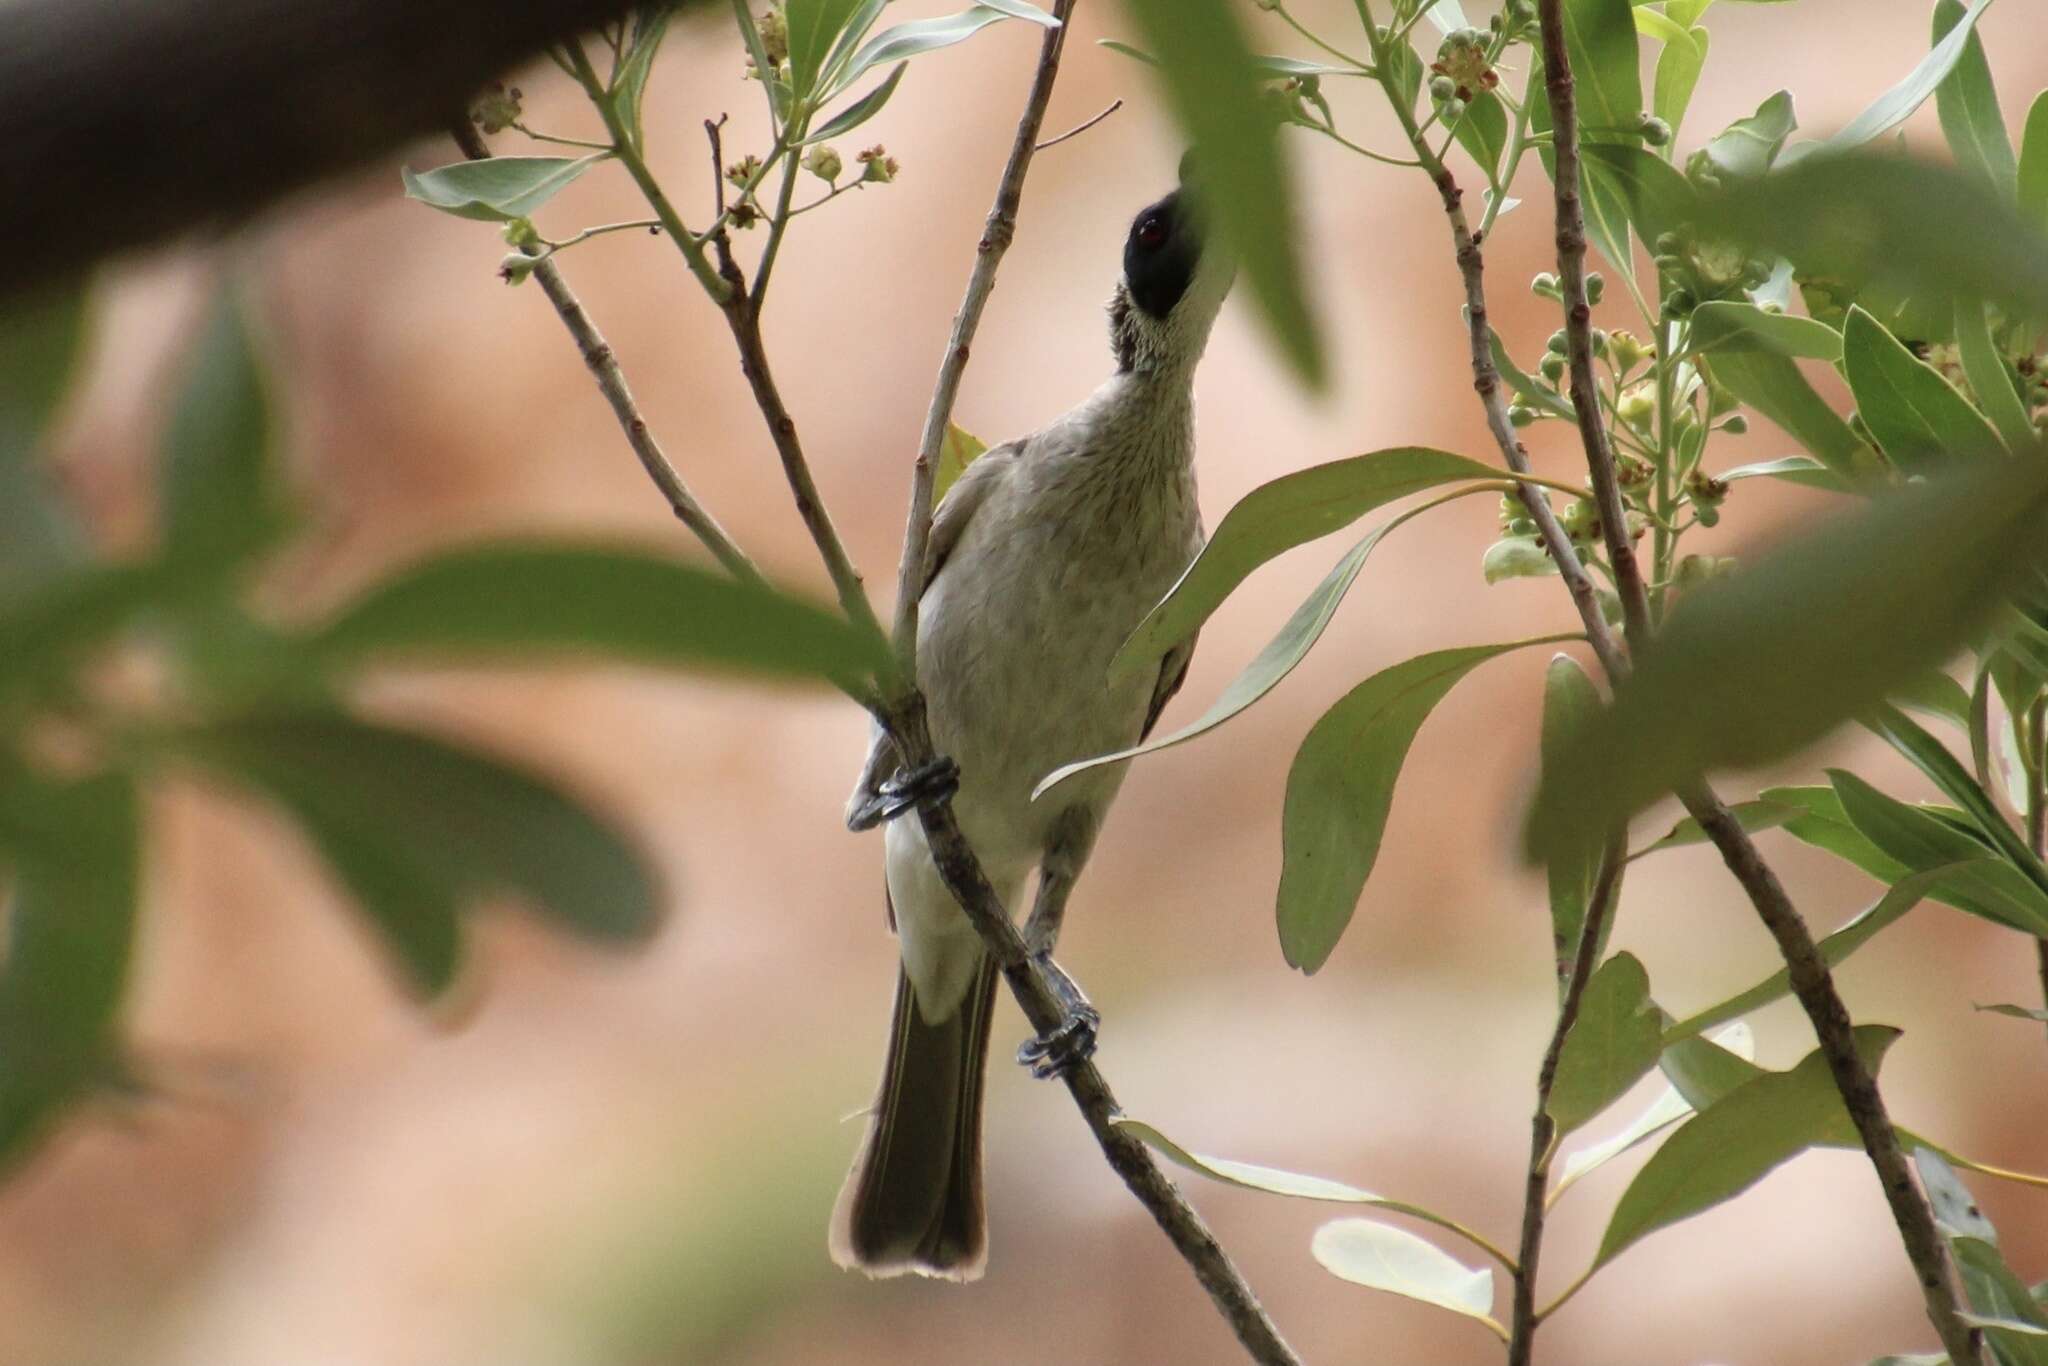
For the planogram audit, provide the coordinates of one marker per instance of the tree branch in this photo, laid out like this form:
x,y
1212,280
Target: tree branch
x,y
1543,1129
1805,967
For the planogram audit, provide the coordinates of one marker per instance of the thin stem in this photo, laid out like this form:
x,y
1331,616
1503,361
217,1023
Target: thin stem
x,y
824,199
778,225
1543,1129
643,224
1366,152
1081,128
1300,28
562,141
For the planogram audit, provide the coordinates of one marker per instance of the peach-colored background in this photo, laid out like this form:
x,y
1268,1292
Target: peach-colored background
x,y
603,1159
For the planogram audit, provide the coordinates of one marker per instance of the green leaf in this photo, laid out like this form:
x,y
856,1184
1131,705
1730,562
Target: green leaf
x,y
219,496
1991,378
1704,1071
1651,193
1213,89
1249,1175
1968,105
516,599
1835,948
1894,106
1726,325
1382,1257
1297,636
1612,1044
75,851
1932,758
1483,132
2016,1012
1825,825
1678,73
1773,386
902,41
1917,417
1448,16
1736,1142
1570,702
1277,516
1341,787
833,77
2033,167
814,26
1668,1107
1921,840
630,88
2004,1308
416,826
1601,43
1875,220
958,449
41,335
497,190
1516,557
861,110
1747,147
1936,694
1532,394
1757,664
1752,816
47,631
1793,469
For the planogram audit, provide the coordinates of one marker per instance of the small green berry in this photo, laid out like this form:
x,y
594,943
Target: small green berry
x,y
1596,285
1518,416
1552,366
1442,88
1558,342
1655,131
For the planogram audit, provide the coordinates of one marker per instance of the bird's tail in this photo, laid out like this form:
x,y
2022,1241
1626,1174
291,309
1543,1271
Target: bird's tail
x,y
912,1203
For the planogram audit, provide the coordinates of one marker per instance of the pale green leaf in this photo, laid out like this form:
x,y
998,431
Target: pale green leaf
x,y
861,110
1968,105
1612,1044
1729,325
1991,378
498,189
1773,386
1917,417
1570,702
1382,1257
219,496
1893,107
1665,1110
1746,148
2033,166
814,28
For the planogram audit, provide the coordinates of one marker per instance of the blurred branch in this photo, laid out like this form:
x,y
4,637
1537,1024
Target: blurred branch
x,y
1543,1129
129,121
1807,970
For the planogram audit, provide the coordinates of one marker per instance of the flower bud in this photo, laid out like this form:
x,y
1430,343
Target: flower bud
x,y
823,162
514,269
495,108
1598,340
1544,284
1515,557
1635,404
1655,131
1596,285
1519,416
1552,366
1442,88
877,166
1558,342
774,30
520,232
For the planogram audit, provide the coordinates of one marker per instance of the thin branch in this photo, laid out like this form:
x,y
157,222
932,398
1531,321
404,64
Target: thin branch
x,y
1807,970
1543,1129
611,382
1081,128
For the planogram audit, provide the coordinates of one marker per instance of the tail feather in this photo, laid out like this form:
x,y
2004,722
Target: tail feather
x,y
912,1203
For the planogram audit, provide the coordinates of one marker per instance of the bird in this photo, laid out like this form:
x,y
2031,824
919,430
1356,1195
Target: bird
x,y
1044,555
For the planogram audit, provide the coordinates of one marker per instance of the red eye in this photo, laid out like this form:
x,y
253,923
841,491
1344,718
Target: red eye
x,y
1152,234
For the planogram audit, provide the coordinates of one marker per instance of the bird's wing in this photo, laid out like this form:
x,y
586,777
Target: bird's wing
x,y
1173,671
962,501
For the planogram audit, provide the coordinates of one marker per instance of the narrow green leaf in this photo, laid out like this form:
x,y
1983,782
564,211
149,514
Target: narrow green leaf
x,y
958,449
1448,16
2016,1012
1382,1257
497,190
1649,191
1277,516
1793,469
1023,9
1341,787
1213,89
861,110
1600,40
1773,386
1991,379
814,26
1678,73
219,496
1916,415
1932,758
1665,1110
1736,1142
517,599
1893,107
1125,49
1532,394
630,89
1936,694
1757,664
1747,147
1824,825
2011,1319
1250,1175
1703,1071
1726,325
833,75
1835,948
1611,1046
1921,840
1752,816
49,630
1570,702
1689,12
1968,105
1483,132
901,41
2033,167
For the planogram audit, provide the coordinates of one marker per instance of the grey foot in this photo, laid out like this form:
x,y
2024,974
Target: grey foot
x,y
1072,1041
931,782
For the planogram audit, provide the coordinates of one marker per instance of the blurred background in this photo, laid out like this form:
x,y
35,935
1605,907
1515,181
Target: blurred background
x,y
611,1159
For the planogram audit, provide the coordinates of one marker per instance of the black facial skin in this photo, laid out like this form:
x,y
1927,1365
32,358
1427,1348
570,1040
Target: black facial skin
x,y
1160,256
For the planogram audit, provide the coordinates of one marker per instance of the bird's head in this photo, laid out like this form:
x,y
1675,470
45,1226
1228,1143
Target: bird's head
x,y
1174,283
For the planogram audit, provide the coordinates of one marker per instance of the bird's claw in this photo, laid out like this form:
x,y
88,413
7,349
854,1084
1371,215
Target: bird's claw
x,y
929,782
1065,1046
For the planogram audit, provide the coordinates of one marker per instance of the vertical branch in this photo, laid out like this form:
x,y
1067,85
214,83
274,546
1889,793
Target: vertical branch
x,y
1543,1129
996,235
1807,970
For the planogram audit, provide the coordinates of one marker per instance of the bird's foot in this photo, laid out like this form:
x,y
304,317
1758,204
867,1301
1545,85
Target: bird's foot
x,y
930,782
1069,1043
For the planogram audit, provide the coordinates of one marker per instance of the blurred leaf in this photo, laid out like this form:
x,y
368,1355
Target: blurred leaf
x,y
75,850
1747,147
219,500
814,26
44,633
2016,1012
41,336
497,190
1751,816
1892,108
1532,394
958,449
1382,1257
415,826
1755,665
1936,694
630,88
1661,1113
1277,516
1990,378
1793,469
1448,16
1736,1142
1773,386
1968,105
1213,89
2033,166
1917,417
861,110
1126,50
1341,787
1483,132
1918,229
1835,948
901,41
1650,192
1726,325
1570,702
1612,1044
1296,637
517,599
1678,69
1986,887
